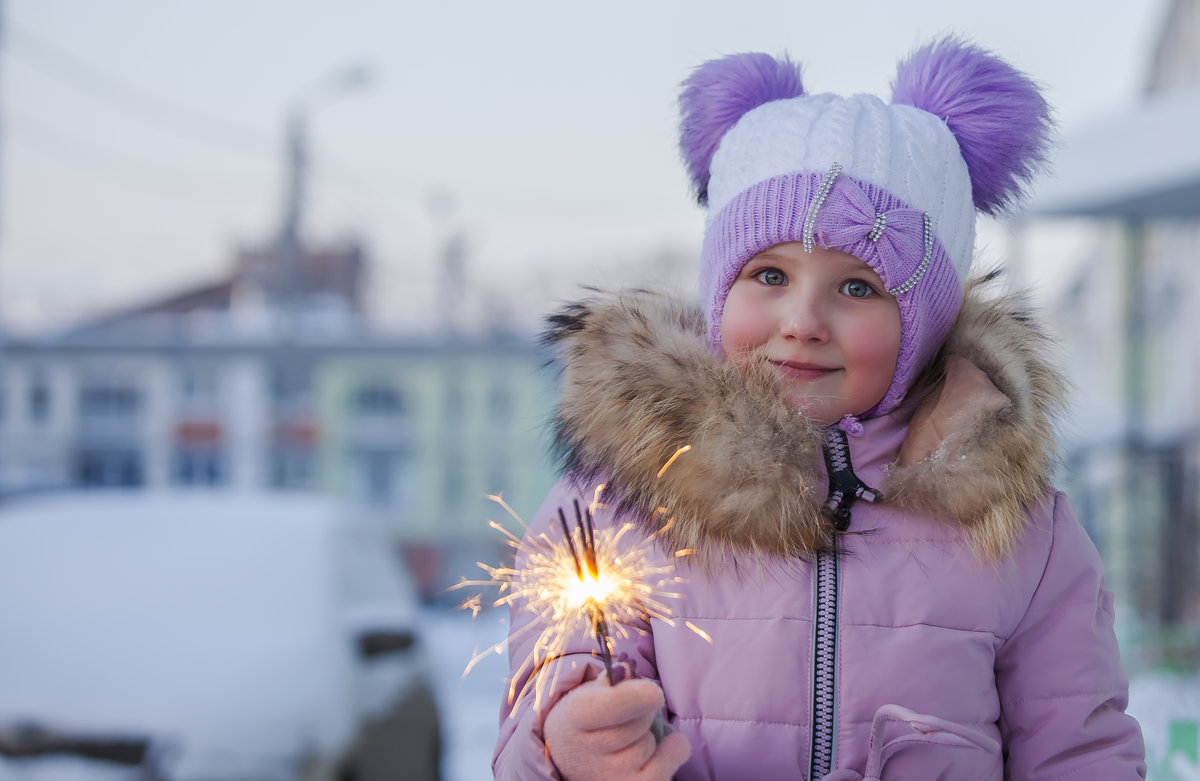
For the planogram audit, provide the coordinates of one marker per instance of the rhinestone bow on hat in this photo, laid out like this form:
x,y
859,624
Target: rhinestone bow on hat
x,y
900,239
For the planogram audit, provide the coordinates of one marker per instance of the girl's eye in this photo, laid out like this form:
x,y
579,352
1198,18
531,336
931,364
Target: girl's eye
x,y
857,288
771,276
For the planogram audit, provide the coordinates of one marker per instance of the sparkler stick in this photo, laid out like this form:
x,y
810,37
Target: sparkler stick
x,y
587,534
617,580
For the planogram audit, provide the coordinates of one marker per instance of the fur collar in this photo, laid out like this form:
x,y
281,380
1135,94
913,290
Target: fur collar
x,y
640,382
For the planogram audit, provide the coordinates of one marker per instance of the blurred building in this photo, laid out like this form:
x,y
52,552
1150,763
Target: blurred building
x,y
1128,318
328,279
216,389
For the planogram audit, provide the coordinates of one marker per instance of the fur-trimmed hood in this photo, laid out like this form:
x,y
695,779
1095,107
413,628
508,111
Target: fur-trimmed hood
x,y
640,382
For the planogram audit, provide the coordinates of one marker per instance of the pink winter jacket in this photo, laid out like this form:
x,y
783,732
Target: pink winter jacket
x,y
938,636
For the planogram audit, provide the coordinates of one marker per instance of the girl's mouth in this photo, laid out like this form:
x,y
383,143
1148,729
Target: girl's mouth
x,y
799,370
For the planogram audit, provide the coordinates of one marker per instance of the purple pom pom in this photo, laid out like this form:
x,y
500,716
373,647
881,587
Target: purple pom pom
x,y
716,96
997,114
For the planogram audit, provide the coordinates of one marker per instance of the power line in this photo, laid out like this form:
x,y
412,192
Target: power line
x,y
112,166
147,107
120,95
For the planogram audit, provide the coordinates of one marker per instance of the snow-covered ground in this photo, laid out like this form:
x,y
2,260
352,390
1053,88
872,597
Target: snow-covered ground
x,y
470,703
1168,706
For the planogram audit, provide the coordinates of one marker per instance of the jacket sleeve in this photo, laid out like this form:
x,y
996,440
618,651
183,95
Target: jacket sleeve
x,y
534,686
1062,688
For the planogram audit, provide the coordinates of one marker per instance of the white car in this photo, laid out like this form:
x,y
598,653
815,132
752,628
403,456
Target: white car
x,y
207,637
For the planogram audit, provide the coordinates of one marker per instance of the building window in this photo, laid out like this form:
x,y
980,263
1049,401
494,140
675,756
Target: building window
x,y
380,478
109,468
291,467
198,386
105,400
453,409
291,384
198,466
39,400
377,399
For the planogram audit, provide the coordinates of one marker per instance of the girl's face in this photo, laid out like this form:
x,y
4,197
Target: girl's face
x,y
825,322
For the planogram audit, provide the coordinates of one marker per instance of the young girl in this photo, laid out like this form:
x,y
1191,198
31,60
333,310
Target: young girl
x,y
886,584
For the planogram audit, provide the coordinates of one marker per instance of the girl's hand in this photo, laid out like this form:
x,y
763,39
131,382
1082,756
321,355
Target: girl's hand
x,y
601,732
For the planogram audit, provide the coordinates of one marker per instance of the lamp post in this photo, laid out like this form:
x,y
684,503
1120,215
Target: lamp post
x,y
289,253
288,368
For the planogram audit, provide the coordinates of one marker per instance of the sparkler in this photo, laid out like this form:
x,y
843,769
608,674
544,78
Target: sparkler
x,y
614,580
593,589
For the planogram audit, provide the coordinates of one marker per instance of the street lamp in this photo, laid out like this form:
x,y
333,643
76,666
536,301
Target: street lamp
x,y
288,251
290,381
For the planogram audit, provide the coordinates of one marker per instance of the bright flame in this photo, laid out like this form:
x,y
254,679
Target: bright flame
x,y
588,590
627,587
615,589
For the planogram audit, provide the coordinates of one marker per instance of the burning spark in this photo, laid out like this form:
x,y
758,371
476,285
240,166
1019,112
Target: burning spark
x,y
592,587
703,635
474,604
671,460
582,577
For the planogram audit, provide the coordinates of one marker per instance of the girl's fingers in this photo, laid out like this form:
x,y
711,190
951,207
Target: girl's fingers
x,y
599,705
668,757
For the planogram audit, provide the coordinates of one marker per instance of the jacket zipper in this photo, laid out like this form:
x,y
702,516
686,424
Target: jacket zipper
x,y
845,488
824,663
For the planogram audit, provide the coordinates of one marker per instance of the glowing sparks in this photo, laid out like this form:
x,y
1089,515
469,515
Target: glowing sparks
x,y
703,635
579,581
474,604
589,590
671,460
604,582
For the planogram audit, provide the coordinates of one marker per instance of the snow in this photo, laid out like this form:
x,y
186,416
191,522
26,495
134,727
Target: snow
x,y
1166,703
131,599
469,703
202,616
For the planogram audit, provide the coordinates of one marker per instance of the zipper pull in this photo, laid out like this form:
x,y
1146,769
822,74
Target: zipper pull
x,y
845,487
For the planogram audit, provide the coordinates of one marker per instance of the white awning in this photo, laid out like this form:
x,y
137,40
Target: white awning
x,y
1142,163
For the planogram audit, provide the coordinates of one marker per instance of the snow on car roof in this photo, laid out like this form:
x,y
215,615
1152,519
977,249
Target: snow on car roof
x,y
144,608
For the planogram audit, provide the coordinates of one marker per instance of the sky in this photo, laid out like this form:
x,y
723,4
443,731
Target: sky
x,y
142,142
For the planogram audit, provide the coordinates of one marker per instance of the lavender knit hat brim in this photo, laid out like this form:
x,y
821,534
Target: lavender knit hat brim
x,y
896,185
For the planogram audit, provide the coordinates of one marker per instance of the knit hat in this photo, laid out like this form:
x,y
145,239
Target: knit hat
x,y
896,185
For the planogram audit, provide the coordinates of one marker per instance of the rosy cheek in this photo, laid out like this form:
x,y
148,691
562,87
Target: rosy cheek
x,y
880,351
737,341
739,356
740,331
732,349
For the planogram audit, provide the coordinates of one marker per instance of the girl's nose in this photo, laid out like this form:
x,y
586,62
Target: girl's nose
x,y
804,321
